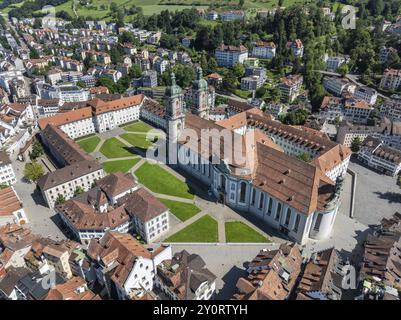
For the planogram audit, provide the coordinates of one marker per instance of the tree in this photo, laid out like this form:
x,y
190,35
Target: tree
x,y
239,70
304,156
135,71
356,144
81,84
78,191
261,91
33,171
343,69
212,65
296,117
37,150
230,81
60,199
241,3
3,186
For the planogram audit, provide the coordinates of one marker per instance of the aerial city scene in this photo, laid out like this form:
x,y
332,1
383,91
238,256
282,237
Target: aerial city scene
x,y
219,150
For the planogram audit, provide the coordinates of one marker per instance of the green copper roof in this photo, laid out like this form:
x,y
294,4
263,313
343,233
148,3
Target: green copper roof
x,y
199,83
174,89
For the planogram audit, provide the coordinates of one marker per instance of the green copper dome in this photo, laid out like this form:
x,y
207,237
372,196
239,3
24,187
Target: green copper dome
x,y
174,89
199,83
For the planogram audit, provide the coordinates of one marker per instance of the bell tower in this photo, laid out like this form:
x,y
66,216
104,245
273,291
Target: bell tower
x,y
174,115
200,105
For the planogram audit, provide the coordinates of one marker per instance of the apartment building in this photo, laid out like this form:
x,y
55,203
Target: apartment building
x,y
391,79
73,94
150,218
367,94
228,56
265,50
380,157
296,47
290,87
123,266
185,277
322,277
7,175
272,275
232,15
385,53
58,258
11,208
338,86
391,108
333,63
356,110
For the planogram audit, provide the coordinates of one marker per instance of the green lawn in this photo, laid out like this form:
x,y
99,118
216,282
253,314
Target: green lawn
x,y
237,231
100,9
138,127
181,210
114,148
160,181
119,165
89,144
203,230
137,140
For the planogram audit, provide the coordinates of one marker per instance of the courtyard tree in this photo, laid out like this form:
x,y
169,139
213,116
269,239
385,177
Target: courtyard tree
x,y
33,171
37,150
356,144
78,191
60,199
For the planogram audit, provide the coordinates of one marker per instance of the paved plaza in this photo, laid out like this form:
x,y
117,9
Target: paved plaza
x,y
377,195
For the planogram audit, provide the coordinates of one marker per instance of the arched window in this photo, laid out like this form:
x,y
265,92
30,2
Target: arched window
x,y
242,191
297,219
278,211
261,200
253,197
288,217
270,206
318,221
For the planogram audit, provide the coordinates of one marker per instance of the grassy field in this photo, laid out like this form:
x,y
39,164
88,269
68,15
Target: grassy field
x,y
160,181
114,148
89,144
137,127
100,9
203,230
119,165
237,231
137,140
182,211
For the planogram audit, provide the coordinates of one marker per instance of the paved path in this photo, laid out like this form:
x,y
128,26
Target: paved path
x,y
99,145
121,158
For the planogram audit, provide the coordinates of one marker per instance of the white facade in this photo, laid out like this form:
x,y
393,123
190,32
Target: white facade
x,y
367,94
152,229
68,188
79,128
110,120
228,58
264,51
7,175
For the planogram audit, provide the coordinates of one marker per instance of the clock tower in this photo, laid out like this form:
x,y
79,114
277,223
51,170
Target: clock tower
x,y
174,115
200,104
